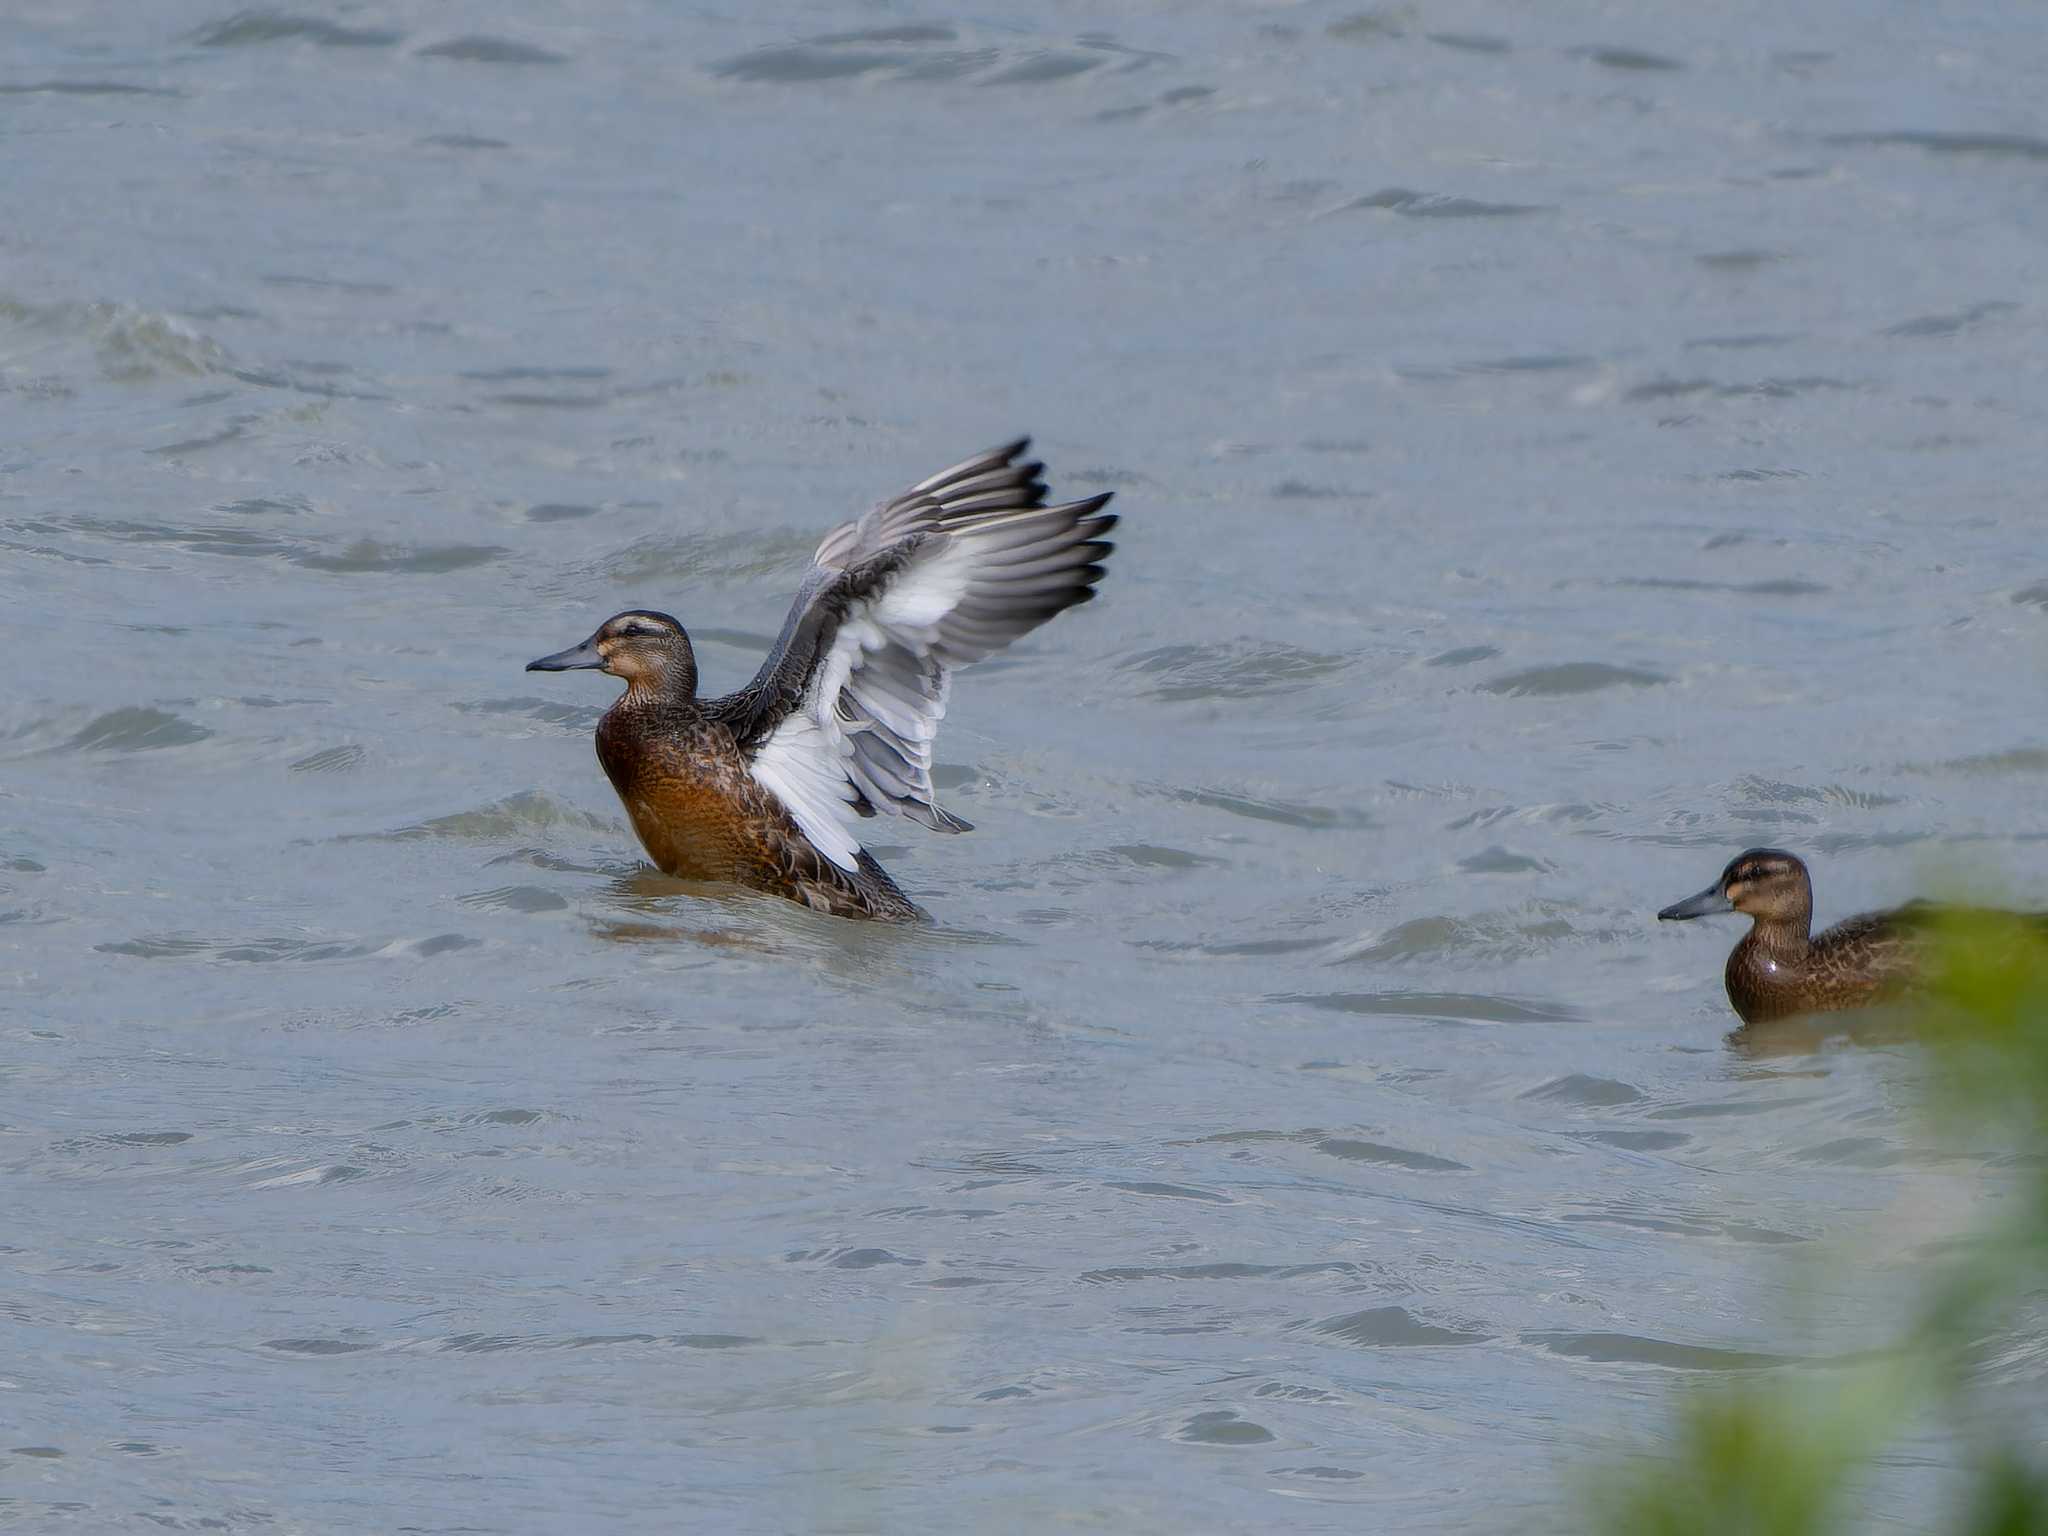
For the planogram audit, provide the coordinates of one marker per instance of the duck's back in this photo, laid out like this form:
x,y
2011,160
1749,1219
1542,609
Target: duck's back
x,y
1876,952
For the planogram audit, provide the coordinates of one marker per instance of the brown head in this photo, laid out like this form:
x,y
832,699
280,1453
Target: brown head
x,y
1768,884
647,649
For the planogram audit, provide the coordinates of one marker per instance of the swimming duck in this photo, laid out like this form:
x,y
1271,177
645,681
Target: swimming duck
x,y
1781,968
765,787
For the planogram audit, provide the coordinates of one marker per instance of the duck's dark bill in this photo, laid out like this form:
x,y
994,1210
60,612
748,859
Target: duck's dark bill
x,y
1705,904
571,660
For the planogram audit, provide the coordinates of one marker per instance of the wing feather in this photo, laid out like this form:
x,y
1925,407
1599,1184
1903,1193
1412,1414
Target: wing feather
x,y
840,721
799,763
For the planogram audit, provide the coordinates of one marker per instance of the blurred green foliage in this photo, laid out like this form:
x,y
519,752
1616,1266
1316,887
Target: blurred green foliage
x,y
1784,1454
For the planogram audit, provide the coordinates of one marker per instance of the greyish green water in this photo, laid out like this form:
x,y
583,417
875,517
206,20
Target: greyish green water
x,y
1558,447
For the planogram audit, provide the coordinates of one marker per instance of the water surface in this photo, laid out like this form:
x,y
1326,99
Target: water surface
x,y
1557,449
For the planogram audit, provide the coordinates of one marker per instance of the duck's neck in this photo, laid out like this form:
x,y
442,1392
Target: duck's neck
x,y
1781,938
660,695
638,718
1764,970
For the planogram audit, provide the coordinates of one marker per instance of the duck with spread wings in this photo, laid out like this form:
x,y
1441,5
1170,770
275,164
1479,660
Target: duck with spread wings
x,y
767,787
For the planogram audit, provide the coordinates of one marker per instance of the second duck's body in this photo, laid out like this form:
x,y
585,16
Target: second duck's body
x,y
1782,969
765,787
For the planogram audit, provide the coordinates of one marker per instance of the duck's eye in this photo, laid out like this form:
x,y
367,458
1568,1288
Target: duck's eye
x,y
637,628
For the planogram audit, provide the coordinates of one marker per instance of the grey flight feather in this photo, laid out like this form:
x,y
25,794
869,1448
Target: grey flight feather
x,y
995,561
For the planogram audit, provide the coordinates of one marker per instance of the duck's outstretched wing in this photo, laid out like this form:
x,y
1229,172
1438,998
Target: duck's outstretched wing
x,y
840,719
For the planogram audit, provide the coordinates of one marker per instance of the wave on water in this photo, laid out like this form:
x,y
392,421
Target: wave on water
x,y
129,345
529,811
926,53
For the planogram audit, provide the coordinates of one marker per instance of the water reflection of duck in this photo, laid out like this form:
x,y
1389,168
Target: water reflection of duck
x,y
1782,968
764,787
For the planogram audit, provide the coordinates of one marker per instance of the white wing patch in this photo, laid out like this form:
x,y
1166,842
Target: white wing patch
x,y
923,595
878,674
986,561
804,766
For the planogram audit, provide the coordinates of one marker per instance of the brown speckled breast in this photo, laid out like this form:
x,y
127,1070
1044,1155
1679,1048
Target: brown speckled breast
x,y
1860,961
701,815
1763,986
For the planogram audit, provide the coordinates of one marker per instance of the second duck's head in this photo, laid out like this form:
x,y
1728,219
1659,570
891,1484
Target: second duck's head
x,y
649,650
1768,884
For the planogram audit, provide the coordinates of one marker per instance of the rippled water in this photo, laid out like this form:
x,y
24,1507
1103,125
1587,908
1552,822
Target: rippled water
x,y
1558,447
